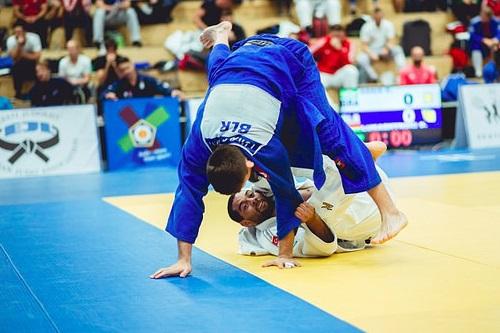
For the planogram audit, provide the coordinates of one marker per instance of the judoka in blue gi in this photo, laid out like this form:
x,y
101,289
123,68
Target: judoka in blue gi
x,y
266,111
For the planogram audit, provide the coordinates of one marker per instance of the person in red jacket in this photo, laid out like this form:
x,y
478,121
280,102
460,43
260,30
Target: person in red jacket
x,y
417,72
334,54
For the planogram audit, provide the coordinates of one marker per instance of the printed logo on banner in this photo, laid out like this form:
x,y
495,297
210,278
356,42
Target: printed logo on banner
x,y
479,106
48,141
142,132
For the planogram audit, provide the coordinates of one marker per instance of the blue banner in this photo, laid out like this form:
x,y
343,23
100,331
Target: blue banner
x,y
142,132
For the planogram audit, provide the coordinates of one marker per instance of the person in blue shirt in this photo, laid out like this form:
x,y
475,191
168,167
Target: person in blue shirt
x,y
491,71
484,37
266,111
133,84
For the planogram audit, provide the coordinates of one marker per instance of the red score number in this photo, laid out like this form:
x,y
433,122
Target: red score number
x,y
393,139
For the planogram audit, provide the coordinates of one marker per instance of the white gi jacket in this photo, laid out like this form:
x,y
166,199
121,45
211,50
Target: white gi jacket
x,y
352,218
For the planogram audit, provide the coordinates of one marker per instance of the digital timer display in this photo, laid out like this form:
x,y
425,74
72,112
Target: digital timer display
x,y
399,116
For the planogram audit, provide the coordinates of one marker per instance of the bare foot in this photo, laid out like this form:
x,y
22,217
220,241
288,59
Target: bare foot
x,y
391,226
210,34
376,148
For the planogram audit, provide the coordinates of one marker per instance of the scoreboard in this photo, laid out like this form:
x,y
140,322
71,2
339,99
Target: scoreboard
x,y
400,116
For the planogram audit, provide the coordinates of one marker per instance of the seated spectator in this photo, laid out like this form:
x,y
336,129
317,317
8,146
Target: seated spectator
x,y
5,104
76,68
307,10
54,16
484,36
154,11
334,54
114,13
49,91
133,85
105,66
491,71
32,15
237,32
465,10
353,6
377,37
494,5
77,15
25,49
210,12
417,72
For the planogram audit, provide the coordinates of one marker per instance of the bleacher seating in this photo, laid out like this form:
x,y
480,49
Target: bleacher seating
x,y
252,15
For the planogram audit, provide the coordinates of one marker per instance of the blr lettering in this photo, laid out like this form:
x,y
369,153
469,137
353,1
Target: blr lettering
x,y
235,127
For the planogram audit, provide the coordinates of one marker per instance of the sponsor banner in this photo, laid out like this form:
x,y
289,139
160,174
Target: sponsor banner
x,y
478,116
142,132
48,141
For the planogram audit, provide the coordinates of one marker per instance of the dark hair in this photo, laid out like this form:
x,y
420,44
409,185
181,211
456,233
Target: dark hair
x,y
337,27
226,169
377,10
19,23
121,60
43,63
234,215
110,43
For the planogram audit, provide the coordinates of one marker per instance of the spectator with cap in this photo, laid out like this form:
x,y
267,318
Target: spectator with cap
x,y
31,13
76,68
377,38
484,37
417,72
132,84
334,55
25,49
48,90
114,13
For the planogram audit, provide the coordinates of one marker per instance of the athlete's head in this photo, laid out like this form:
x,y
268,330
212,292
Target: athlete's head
x,y
228,169
250,208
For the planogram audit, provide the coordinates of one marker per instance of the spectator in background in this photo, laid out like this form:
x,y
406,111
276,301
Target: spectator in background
x,y
377,38
76,68
49,91
77,15
105,66
417,72
484,36
53,17
494,5
25,49
154,11
465,10
31,13
353,6
132,84
114,13
491,71
210,12
307,10
237,32
334,54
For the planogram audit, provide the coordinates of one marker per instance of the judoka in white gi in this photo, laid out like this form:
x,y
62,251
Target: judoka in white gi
x,y
332,221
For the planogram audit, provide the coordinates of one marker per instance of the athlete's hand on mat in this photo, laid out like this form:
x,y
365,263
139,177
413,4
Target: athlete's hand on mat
x,y
181,268
305,212
282,262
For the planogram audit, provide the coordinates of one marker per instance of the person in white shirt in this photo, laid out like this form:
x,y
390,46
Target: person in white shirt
x,y
308,9
25,48
76,68
377,38
332,221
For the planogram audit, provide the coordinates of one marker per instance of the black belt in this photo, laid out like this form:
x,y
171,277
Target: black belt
x,y
28,145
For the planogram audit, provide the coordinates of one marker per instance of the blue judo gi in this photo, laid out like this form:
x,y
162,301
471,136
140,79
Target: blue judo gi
x,y
266,98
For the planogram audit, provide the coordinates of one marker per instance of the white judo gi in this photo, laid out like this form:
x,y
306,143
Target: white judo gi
x,y
352,218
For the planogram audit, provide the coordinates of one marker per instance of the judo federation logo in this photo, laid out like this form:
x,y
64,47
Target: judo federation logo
x,y
28,138
142,132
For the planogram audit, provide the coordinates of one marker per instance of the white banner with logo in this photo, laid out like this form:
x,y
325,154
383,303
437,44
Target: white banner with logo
x,y
478,116
48,141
